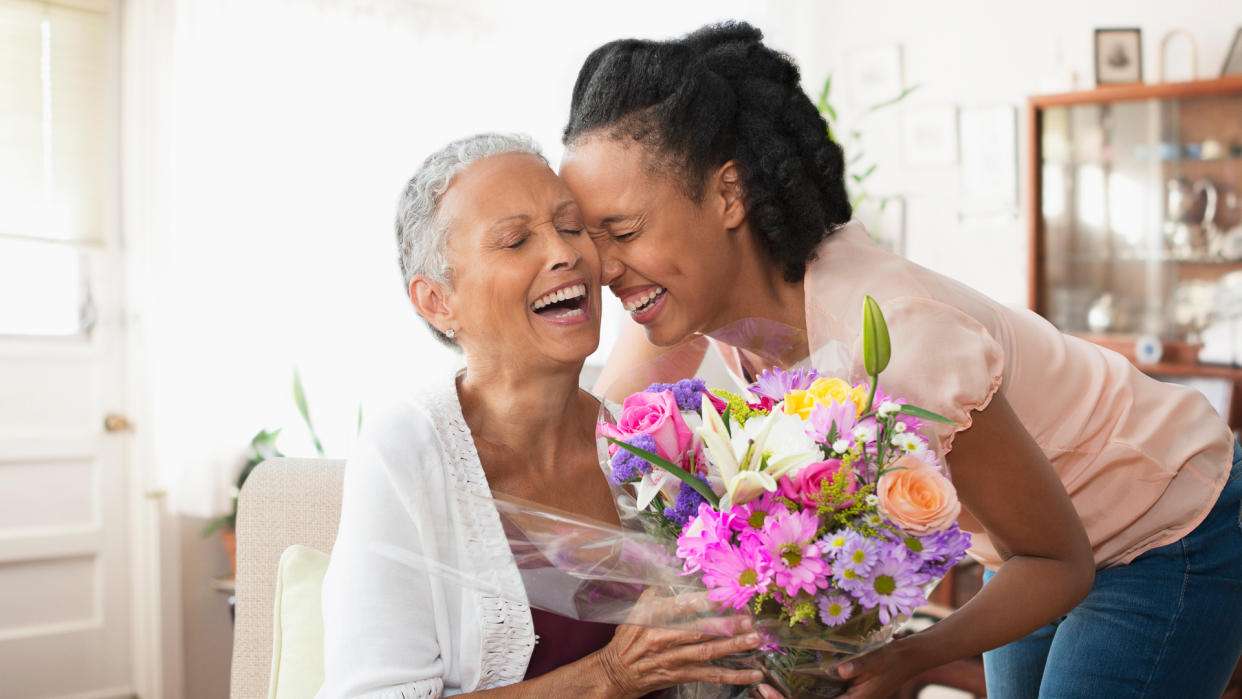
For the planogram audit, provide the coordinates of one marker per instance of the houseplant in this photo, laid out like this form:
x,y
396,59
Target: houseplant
x,y
262,447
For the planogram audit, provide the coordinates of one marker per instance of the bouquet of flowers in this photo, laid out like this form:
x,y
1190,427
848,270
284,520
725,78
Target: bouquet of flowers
x,y
811,503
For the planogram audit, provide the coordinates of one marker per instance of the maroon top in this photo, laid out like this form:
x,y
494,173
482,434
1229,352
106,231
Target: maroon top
x,y
563,640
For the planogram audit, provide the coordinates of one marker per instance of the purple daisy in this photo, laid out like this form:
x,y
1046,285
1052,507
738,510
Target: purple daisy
x,y
858,554
940,551
789,539
734,575
777,382
894,585
835,609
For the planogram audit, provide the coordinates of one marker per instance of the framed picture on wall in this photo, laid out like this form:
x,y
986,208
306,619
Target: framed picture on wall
x,y
1233,59
1118,56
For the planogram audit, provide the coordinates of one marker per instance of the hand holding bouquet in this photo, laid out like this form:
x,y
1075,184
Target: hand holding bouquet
x,y
812,503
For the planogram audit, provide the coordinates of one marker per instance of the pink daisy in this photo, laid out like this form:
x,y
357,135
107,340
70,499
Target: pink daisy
x,y
749,519
824,417
705,532
789,539
734,575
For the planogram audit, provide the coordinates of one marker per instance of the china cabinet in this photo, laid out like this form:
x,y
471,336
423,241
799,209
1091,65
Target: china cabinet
x,y
1136,223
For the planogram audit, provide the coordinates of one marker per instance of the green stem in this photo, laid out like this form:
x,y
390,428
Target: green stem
x,y
656,460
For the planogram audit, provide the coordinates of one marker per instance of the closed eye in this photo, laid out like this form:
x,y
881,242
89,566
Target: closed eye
x,y
622,237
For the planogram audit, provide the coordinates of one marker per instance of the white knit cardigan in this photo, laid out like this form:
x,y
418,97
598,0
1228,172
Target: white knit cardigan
x,y
391,631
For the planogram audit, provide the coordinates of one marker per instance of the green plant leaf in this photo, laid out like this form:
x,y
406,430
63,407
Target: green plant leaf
x,y
875,341
299,397
924,414
900,96
823,104
657,460
358,429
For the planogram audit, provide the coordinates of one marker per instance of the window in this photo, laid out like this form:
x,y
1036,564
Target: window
x,y
56,144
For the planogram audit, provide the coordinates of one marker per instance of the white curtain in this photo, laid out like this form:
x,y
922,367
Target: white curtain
x,y
264,234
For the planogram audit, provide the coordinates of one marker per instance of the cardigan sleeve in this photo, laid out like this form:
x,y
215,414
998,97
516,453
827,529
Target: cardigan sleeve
x,y
382,620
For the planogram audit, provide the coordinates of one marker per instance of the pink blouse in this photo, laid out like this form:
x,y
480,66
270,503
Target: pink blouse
x,y
1143,461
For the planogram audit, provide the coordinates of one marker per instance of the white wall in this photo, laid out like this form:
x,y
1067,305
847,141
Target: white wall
x,y
975,53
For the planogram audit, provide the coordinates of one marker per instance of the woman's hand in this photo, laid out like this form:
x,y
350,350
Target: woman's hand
x,y
881,672
640,659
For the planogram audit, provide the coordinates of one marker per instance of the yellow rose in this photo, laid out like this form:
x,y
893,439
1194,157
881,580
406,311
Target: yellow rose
x,y
826,389
799,403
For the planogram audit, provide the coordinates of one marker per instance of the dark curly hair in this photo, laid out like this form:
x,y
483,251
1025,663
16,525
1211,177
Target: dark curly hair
x,y
714,95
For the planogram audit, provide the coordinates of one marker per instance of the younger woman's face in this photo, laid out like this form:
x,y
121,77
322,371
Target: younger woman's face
x,y
669,259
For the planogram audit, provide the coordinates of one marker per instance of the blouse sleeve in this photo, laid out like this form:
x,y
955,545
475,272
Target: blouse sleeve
x,y
380,622
942,360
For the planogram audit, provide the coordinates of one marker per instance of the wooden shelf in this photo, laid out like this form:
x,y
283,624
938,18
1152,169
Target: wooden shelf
x,y
1141,91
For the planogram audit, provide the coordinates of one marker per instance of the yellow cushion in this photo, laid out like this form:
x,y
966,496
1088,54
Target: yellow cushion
x,y
297,648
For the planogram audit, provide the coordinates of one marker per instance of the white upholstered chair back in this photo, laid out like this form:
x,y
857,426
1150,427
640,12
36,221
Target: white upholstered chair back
x,y
285,501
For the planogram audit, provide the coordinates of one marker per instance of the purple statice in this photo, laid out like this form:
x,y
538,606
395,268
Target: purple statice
x,y
776,382
685,392
789,539
835,610
894,585
703,534
627,467
687,503
735,574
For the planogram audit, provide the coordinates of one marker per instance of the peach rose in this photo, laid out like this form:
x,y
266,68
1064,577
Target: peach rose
x,y
917,498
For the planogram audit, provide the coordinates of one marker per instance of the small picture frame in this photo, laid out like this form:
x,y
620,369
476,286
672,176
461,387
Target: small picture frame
x,y
874,75
1118,56
1233,59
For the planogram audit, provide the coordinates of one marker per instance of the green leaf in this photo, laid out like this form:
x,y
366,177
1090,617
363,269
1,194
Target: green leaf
x,y
823,95
657,460
358,429
875,342
901,96
299,397
924,414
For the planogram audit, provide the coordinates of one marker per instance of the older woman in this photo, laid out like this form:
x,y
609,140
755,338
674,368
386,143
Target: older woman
x,y
496,262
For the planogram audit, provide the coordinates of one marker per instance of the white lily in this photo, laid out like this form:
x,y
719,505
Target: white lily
x,y
740,456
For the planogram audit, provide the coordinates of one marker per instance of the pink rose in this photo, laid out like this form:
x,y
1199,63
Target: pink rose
x,y
806,483
917,498
656,414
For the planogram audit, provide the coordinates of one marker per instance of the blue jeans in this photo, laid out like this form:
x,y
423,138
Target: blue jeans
x,y
1169,624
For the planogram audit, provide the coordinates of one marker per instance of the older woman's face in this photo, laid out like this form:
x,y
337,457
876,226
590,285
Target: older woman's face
x,y
525,274
667,258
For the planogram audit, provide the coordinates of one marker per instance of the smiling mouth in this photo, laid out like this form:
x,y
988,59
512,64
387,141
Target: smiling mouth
x,y
641,304
569,302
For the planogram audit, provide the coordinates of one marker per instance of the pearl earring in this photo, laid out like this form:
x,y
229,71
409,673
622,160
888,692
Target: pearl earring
x,y
450,334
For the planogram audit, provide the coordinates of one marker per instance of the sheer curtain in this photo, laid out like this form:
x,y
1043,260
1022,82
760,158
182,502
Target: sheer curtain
x,y
288,127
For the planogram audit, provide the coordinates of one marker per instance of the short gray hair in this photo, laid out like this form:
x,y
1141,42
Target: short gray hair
x,y
421,234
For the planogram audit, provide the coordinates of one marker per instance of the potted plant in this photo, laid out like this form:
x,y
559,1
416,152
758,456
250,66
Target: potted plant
x,y
262,446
